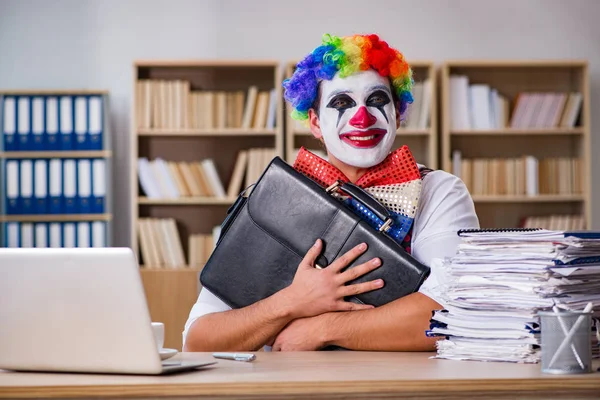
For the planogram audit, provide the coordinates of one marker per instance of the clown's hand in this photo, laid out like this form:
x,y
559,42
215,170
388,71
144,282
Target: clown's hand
x,y
316,291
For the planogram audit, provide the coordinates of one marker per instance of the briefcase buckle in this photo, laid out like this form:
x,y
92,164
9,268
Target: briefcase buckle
x,y
386,225
334,186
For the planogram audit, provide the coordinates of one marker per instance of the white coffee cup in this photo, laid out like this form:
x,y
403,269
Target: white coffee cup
x,y
158,328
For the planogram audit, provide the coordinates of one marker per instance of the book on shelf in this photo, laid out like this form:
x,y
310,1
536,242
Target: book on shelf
x,y
55,186
418,115
476,106
174,104
201,246
210,173
52,122
556,222
235,183
160,179
546,110
160,244
525,175
56,234
258,160
481,107
46,196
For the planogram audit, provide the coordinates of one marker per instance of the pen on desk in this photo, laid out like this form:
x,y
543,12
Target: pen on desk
x,y
235,356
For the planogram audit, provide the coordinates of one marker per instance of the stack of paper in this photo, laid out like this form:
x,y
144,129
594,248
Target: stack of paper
x,y
498,281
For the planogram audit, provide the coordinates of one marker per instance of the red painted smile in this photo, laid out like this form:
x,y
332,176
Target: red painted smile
x,y
363,139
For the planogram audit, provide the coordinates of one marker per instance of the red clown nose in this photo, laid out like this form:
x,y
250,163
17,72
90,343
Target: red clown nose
x,y
362,119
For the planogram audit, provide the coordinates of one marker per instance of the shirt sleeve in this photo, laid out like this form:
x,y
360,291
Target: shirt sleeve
x,y
207,303
445,207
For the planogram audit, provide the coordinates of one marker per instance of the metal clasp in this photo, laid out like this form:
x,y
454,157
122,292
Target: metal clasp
x,y
333,187
386,225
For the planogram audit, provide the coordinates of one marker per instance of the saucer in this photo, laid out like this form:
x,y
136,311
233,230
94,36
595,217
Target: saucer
x,y
167,353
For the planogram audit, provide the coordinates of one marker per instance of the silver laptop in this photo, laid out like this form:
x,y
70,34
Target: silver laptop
x,y
77,310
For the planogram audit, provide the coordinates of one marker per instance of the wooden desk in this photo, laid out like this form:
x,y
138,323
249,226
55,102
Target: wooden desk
x,y
337,374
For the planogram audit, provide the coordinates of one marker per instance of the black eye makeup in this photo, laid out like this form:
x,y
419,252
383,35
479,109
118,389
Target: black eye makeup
x,y
341,103
379,99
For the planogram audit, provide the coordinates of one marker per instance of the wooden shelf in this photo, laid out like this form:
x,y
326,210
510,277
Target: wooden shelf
x,y
511,78
544,198
55,217
187,201
532,131
57,154
170,294
193,215
207,132
101,172
302,132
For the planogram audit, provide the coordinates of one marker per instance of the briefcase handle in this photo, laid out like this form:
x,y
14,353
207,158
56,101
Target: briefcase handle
x,y
368,201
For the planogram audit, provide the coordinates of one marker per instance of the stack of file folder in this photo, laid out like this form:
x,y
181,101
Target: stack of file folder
x,y
497,282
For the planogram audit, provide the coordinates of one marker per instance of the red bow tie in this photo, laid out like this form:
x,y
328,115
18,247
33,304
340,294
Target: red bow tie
x,y
398,167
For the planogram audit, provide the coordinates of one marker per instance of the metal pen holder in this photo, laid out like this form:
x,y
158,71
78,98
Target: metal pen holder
x,y
566,342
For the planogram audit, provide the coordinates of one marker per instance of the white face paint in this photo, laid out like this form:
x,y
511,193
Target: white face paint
x,y
358,118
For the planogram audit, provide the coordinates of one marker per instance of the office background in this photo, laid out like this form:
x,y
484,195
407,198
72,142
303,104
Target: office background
x,y
92,44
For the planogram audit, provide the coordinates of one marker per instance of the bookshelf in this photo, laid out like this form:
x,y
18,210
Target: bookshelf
x,y
186,113
55,164
518,134
421,137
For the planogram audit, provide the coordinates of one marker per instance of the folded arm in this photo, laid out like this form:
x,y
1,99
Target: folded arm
x,y
312,292
396,326
245,329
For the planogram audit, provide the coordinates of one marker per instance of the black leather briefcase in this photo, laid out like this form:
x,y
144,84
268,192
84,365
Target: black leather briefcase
x,y
266,234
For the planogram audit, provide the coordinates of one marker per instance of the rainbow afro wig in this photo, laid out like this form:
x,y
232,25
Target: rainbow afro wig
x,y
347,55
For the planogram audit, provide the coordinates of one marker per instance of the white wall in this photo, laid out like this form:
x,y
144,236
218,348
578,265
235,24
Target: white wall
x,y
92,44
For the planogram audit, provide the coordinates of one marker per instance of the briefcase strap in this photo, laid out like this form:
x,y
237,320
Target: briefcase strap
x,y
407,239
367,201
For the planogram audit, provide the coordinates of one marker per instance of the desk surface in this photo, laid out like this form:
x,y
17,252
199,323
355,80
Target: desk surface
x,y
316,374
